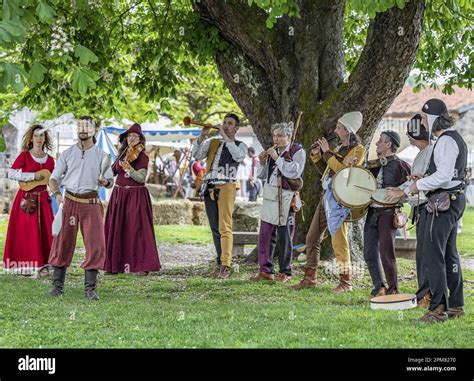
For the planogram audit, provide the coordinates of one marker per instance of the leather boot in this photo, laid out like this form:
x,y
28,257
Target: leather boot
x,y
438,314
309,279
382,291
216,272
344,283
59,274
455,312
90,281
425,301
224,272
262,277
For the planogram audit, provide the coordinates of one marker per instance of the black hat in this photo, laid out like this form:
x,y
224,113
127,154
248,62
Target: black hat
x,y
416,130
394,137
434,107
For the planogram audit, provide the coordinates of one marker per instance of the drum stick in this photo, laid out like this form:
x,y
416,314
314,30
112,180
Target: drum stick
x,y
349,176
363,188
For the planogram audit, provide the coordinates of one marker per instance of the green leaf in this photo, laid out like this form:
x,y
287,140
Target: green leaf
x,y
3,145
10,10
401,4
85,55
36,75
84,80
11,31
11,75
45,13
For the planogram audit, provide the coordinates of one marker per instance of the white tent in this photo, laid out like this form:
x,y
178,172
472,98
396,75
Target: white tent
x,y
172,134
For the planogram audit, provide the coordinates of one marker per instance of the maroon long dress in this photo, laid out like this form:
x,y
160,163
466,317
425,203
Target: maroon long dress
x,y
29,236
129,235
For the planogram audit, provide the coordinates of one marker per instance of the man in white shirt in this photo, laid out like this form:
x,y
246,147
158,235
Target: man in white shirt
x,y
444,187
219,188
419,137
80,171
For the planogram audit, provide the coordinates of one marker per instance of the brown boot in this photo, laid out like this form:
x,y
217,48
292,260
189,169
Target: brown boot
x,y
382,292
283,278
224,273
438,314
262,277
216,272
425,301
309,280
344,283
455,312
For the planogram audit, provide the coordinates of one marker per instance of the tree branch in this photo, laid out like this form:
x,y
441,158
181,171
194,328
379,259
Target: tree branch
x,y
384,65
240,25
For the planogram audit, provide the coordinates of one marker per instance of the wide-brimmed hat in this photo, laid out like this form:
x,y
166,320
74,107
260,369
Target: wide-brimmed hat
x,y
136,128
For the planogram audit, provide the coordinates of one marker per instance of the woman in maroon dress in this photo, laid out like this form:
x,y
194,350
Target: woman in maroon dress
x,y
129,234
29,235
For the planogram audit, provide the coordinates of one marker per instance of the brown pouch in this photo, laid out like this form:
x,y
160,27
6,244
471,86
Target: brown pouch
x,y
438,202
296,203
295,184
28,203
400,219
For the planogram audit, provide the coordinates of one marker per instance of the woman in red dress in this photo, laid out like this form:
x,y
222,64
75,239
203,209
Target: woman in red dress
x,y
29,235
129,234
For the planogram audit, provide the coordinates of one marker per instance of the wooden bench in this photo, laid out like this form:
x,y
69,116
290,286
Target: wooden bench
x,y
240,240
405,248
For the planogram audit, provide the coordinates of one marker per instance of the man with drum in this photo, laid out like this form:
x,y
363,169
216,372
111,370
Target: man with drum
x,y
379,230
328,162
419,137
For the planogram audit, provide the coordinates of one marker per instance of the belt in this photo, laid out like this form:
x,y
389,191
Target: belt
x,y
129,186
81,198
380,206
37,192
449,191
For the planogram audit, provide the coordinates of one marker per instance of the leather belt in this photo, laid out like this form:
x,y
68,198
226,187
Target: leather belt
x,y
129,186
84,198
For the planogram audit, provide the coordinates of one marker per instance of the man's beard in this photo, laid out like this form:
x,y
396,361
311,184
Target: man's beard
x,y
83,137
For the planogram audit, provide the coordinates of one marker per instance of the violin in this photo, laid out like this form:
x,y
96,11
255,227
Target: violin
x,y
130,154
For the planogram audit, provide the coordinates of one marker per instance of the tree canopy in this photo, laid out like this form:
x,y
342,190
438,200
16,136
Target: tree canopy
x,y
97,55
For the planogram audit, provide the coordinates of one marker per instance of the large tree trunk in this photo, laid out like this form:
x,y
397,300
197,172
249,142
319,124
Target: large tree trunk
x,y
299,65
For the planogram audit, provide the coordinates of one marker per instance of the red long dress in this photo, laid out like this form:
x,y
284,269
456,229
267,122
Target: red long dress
x,y
29,236
129,234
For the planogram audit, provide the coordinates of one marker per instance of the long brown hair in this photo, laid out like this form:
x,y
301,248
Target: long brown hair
x,y
27,142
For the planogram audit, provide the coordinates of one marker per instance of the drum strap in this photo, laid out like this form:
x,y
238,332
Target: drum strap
x,y
280,197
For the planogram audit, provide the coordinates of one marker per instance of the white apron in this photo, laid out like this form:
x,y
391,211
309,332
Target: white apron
x,y
269,212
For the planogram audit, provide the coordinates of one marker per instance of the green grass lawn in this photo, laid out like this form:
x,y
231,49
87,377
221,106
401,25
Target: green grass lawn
x,y
183,308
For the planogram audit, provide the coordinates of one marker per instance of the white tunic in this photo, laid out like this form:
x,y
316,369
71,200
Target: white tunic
x,y
78,171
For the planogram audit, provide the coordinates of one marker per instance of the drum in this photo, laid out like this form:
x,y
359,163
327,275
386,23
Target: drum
x,y
393,302
378,196
353,186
